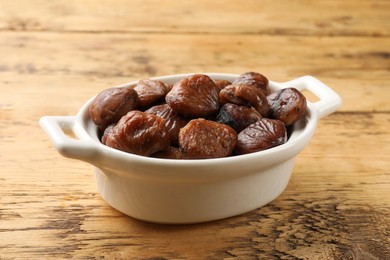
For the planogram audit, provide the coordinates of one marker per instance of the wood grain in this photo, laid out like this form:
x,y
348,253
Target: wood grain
x,y
331,17
350,65
55,55
328,194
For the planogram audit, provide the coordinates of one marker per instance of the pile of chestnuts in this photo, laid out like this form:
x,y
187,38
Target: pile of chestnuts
x,y
197,117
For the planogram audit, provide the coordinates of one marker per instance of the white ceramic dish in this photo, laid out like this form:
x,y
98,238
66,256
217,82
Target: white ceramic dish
x,y
189,191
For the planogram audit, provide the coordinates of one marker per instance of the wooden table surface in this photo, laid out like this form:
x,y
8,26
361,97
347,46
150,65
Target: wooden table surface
x,y
55,55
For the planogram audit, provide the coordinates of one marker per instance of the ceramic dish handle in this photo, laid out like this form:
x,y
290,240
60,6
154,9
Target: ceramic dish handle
x,y
329,101
69,137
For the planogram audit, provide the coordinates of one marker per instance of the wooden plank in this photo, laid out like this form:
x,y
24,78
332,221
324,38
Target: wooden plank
x,y
350,65
336,200
57,54
297,17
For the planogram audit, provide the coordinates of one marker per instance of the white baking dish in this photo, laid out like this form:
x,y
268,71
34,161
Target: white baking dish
x,y
189,191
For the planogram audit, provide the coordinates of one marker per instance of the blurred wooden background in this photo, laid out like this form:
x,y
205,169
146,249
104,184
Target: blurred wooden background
x,y
54,55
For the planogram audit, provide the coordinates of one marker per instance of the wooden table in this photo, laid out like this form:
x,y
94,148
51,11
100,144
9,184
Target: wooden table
x,y
57,54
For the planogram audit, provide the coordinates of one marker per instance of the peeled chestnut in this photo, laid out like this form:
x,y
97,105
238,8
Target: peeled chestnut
x,y
237,117
150,91
245,95
228,95
254,79
287,105
139,133
194,96
261,135
205,139
111,104
173,120
106,133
